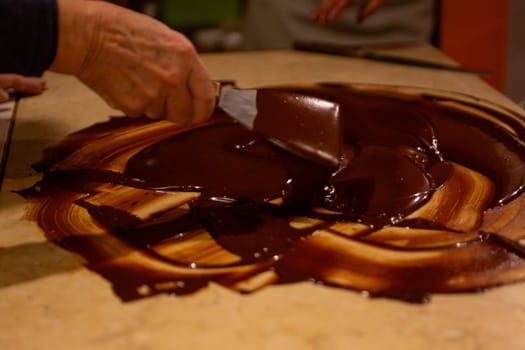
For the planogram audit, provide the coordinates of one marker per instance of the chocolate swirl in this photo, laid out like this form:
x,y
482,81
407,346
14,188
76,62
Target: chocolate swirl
x,y
428,199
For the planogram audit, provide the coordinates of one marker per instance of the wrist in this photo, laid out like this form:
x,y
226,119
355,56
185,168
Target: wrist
x,y
76,22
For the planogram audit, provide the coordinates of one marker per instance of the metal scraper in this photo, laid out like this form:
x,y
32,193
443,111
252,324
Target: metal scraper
x,y
7,111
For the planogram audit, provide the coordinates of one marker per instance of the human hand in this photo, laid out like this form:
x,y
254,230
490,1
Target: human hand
x,y
135,63
20,83
329,10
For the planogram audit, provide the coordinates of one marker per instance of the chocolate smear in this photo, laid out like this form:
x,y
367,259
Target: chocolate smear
x,y
421,179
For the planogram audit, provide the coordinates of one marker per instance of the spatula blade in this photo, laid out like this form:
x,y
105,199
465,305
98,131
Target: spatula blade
x,y
240,104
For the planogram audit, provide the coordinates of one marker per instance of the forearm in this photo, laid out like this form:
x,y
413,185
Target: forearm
x,y
76,22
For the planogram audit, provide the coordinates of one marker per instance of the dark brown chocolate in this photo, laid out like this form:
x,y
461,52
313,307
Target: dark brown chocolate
x,y
303,124
411,211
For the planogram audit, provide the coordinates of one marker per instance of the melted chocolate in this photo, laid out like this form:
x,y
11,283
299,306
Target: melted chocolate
x,y
403,216
302,124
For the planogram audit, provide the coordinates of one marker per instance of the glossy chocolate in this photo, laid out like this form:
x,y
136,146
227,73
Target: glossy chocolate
x,y
302,124
427,199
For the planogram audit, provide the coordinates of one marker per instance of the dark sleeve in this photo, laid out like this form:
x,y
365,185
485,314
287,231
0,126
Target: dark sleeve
x,y
28,35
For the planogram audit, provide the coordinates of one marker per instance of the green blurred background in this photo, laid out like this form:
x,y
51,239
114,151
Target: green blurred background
x,y
187,15
212,25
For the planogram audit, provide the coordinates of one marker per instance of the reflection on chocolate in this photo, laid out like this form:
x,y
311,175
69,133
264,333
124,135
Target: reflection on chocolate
x,y
428,199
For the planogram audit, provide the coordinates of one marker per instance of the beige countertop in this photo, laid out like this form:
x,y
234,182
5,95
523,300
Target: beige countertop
x,y
49,300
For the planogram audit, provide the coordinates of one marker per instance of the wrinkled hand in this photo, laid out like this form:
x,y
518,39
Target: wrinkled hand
x,y
20,83
136,64
329,10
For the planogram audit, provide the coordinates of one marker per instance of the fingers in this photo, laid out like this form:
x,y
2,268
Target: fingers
x,y
157,110
187,102
368,8
202,90
28,85
179,107
330,10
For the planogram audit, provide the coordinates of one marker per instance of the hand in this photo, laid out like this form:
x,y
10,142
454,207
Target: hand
x,y
135,63
28,85
331,9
